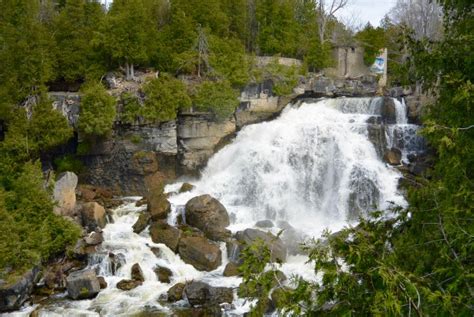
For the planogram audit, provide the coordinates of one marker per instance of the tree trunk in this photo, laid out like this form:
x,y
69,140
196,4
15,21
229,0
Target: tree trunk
x,y
127,71
132,71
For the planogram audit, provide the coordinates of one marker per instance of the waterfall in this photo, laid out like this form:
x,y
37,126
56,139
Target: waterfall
x,y
312,168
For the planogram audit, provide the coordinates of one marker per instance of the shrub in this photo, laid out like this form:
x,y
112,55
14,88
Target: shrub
x,y
97,110
216,97
131,108
164,97
68,163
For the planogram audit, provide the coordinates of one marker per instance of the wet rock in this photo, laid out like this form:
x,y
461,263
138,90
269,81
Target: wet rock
x,y
93,216
389,111
137,273
156,251
175,293
117,261
158,206
186,187
264,224
94,238
13,295
200,253
231,269
141,223
209,215
102,282
82,284
126,285
163,274
161,232
202,294
141,202
276,246
234,248
64,194
82,250
393,156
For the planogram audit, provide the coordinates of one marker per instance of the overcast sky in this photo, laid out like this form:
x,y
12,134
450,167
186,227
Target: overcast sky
x,y
367,11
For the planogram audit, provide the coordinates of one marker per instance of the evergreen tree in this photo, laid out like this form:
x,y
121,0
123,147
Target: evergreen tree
x,y
97,110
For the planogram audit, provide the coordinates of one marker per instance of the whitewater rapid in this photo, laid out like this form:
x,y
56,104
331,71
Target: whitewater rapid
x,y
313,168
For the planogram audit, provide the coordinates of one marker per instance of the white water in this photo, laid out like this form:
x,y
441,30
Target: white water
x,y
313,168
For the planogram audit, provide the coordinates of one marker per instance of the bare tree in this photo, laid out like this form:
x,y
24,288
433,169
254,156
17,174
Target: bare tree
x,y
326,10
424,17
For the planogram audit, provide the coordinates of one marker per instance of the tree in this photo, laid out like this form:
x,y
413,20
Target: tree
x,y
372,40
97,110
424,17
74,31
326,11
128,32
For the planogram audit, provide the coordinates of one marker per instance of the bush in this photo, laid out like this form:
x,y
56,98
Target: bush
x,y
164,97
68,163
97,110
131,108
285,77
216,97
29,230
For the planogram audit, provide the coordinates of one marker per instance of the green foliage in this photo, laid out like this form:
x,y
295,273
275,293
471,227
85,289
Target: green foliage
x,y
45,129
216,97
164,97
131,108
97,110
29,230
68,163
285,78
372,40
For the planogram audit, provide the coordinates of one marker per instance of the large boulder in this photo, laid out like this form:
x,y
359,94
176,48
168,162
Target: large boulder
x,y
276,246
163,274
137,273
13,295
161,232
389,111
202,294
158,206
126,285
209,215
64,194
82,284
93,216
201,253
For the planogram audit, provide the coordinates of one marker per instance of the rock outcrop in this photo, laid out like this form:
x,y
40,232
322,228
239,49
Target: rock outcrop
x,y
83,284
208,215
64,194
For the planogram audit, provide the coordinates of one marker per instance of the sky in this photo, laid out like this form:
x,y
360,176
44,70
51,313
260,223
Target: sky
x,y
364,11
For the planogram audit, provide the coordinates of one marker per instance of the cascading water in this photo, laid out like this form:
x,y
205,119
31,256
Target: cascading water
x,y
312,168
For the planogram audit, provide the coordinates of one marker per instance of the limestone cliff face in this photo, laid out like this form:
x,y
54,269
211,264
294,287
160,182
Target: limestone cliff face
x,y
136,155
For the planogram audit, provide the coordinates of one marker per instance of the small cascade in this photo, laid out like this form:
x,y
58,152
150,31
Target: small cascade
x,y
312,168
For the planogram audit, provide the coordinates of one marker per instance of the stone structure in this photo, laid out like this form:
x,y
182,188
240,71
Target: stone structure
x,y
350,61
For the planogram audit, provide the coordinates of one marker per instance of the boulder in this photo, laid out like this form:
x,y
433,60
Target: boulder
x,y
137,273
13,295
393,156
202,294
126,285
82,250
233,251
94,238
200,253
82,284
158,206
163,274
276,246
389,111
231,269
142,222
93,216
175,293
102,282
186,187
161,232
209,215
64,194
